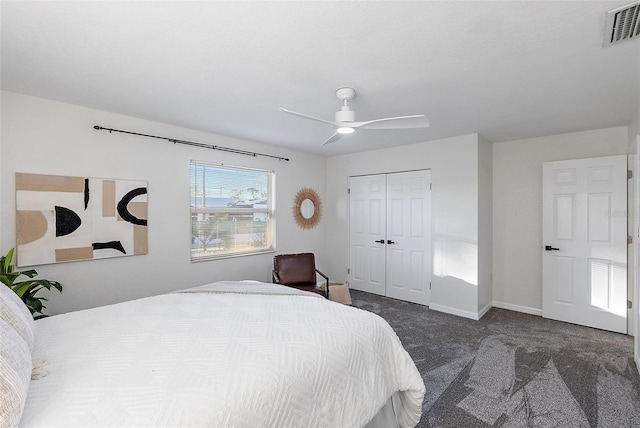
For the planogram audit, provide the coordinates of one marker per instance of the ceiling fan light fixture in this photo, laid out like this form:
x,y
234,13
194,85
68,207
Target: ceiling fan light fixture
x,y
345,130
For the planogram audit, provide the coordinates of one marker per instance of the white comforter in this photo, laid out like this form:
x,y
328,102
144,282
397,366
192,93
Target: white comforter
x,y
230,354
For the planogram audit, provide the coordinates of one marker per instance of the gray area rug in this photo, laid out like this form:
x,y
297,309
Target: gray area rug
x,y
514,370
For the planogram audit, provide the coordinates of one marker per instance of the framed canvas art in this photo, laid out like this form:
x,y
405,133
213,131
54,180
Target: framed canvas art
x,y
63,219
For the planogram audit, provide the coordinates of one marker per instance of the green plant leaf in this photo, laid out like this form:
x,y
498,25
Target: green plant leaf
x,y
7,266
28,289
34,303
57,285
30,273
22,288
9,278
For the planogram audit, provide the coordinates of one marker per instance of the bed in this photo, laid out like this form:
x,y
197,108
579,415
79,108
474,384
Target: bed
x,y
226,354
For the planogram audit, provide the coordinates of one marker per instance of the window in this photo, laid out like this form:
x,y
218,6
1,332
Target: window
x,y
231,211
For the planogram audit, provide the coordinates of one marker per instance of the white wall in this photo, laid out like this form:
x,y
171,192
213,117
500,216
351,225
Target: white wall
x,y
517,208
634,139
454,173
1,198
42,136
485,224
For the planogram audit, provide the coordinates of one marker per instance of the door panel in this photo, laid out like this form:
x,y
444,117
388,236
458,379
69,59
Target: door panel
x,y
584,227
564,268
367,204
601,280
599,226
564,209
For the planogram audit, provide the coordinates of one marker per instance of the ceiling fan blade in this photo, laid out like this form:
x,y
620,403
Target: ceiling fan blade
x,y
306,116
400,122
335,137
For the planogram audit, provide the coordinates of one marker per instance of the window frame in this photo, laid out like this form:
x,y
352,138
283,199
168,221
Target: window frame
x,y
269,211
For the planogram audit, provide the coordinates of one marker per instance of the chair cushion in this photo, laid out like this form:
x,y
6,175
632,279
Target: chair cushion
x,y
295,268
312,288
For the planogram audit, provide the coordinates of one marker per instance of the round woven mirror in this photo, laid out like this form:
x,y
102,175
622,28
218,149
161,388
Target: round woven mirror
x,y
307,208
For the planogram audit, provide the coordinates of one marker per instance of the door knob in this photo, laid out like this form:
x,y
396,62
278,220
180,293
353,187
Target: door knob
x,y
389,241
380,241
550,248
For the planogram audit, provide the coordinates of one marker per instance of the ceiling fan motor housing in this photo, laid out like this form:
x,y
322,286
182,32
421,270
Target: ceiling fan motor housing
x,y
345,115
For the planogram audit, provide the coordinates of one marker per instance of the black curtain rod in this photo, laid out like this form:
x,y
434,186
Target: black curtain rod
x,y
192,143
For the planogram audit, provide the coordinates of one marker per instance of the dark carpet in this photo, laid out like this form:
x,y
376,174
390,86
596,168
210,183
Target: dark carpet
x,y
514,370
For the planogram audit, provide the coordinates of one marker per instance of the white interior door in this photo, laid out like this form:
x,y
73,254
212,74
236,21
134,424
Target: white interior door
x,y
585,242
367,233
390,235
409,236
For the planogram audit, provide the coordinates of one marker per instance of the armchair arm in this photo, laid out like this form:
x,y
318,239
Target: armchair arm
x,y
326,283
274,277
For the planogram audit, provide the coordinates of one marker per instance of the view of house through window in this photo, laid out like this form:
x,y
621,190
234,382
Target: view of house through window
x,y
231,210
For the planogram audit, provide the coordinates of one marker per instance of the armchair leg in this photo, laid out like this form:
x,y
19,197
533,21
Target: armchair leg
x,y
326,283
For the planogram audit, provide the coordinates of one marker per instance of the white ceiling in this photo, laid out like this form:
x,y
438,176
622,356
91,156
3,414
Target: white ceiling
x,y
508,70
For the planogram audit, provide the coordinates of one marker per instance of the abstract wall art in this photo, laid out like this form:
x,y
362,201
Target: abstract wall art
x,y
63,219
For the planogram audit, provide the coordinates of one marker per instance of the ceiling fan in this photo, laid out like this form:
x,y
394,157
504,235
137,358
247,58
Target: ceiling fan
x,y
345,119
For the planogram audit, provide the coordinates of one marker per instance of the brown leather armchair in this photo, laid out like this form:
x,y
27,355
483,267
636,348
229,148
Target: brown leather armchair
x,y
299,271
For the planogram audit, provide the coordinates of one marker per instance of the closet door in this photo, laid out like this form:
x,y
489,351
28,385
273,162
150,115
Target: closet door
x,y
367,233
390,235
408,236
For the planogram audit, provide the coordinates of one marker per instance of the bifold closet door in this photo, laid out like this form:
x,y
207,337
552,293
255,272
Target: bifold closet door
x,y
367,233
408,245
390,235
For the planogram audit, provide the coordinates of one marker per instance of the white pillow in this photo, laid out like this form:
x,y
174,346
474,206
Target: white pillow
x,y
15,313
15,374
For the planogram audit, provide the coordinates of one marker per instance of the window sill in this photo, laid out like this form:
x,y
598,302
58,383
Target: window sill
x,y
229,256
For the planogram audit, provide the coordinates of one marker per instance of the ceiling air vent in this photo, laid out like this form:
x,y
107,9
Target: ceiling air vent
x,y
622,24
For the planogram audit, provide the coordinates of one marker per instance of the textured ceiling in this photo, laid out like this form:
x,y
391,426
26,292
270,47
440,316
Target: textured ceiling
x,y
508,70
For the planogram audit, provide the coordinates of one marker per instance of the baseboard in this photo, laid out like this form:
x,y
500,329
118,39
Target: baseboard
x,y
518,308
484,310
454,311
